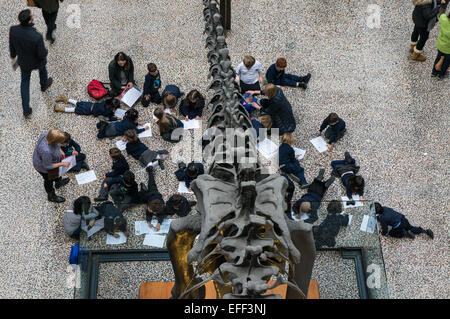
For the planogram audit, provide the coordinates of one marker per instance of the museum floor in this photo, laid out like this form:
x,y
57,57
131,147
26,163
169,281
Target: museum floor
x,y
395,112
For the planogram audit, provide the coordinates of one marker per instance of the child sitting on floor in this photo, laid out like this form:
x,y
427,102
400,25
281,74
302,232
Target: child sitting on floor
x,y
70,147
189,173
123,190
192,106
288,161
119,167
178,205
141,152
167,124
170,97
276,75
117,128
335,130
105,108
151,86
249,74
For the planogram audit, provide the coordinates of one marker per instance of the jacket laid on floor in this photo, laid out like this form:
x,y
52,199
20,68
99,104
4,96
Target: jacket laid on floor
x,y
280,110
389,218
273,75
152,83
28,45
188,109
336,130
136,149
119,167
114,75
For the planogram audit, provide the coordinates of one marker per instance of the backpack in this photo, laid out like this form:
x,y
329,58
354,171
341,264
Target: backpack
x,y
73,258
96,89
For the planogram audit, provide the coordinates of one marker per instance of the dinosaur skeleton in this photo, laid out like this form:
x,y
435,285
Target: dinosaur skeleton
x,y
244,236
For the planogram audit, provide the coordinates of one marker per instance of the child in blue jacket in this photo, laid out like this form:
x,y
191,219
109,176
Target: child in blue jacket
x,y
70,147
104,109
335,131
288,161
152,84
118,128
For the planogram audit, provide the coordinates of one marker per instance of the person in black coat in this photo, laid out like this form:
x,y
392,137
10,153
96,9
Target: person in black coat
x,y
50,10
278,107
325,234
335,131
189,173
152,84
27,45
423,13
121,73
192,106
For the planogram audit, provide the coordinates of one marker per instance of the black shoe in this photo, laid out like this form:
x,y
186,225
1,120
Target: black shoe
x,y
320,176
28,113
62,182
409,235
192,203
430,233
144,187
330,181
182,94
100,199
434,73
49,84
348,158
161,164
307,78
52,197
149,169
85,166
181,165
302,85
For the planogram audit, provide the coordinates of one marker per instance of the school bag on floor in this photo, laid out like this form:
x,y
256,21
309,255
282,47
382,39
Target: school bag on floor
x,y
97,89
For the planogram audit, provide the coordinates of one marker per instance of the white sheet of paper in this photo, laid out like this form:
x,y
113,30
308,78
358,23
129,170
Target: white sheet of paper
x,y
183,189
146,133
165,226
72,160
111,240
98,226
320,144
120,113
121,145
131,96
85,178
267,148
191,124
141,227
300,152
154,240
358,203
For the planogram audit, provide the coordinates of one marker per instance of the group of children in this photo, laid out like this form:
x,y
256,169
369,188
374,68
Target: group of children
x,y
121,185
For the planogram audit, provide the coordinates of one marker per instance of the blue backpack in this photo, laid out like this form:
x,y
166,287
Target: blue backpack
x,y
73,258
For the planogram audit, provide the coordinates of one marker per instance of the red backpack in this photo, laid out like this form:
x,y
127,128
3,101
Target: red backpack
x,y
96,89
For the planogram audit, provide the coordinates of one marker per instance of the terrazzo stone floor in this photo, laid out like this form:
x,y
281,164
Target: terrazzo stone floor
x,y
395,112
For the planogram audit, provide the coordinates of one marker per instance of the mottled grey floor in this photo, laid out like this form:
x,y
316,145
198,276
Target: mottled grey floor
x,y
396,115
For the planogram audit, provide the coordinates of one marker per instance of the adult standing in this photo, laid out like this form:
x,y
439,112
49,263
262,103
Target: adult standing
x,y
50,13
121,73
47,160
27,45
424,12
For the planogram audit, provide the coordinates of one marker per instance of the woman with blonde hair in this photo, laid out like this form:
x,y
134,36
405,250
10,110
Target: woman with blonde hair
x,y
167,125
47,161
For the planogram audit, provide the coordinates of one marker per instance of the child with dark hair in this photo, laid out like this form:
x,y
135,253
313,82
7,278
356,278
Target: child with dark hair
x,y
141,152
192,106
310,202
167,124
276,75
189,173
288,161
170,96
335,130
152,84
105,109
79,211
396,225
118,128
325,234
179,206
70,147
346,169
113,219
123,190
